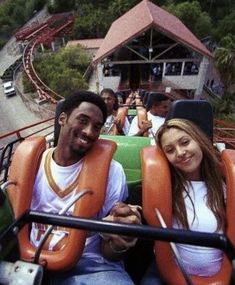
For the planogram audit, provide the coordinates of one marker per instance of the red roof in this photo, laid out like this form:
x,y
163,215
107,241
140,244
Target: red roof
x,y
139,19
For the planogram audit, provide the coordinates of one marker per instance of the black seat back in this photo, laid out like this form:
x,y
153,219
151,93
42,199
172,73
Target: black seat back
x,y
198,111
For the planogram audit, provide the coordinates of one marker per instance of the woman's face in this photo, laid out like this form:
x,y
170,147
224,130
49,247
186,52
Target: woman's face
x,y
183,153
120,100
109,100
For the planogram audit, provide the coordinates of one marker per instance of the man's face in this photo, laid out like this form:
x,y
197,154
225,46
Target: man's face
x,y
109,101
162,109
81,128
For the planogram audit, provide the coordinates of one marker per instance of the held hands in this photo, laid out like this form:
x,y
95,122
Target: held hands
x,y
121,213
126,213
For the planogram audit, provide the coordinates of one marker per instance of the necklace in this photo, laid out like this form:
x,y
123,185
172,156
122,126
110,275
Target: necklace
x,y
47,167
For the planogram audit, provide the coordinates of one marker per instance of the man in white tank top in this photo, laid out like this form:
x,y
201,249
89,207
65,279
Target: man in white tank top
x,y
157,106
82,116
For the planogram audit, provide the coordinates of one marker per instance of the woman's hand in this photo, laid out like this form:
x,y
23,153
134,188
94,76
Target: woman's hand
x,y
115,245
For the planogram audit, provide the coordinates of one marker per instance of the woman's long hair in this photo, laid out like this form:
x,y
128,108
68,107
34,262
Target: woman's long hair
x,y
211,174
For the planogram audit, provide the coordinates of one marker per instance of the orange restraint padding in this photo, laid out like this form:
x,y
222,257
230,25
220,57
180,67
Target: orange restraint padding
x,y
121,115
129,99
23,171
142,116
156,183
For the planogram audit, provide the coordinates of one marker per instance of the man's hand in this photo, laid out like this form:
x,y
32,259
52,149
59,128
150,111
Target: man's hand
x,y
126,213
115,244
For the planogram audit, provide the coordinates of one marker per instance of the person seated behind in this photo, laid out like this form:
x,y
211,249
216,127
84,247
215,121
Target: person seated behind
x,y
157,106
82,117
198,192
120,99
111,102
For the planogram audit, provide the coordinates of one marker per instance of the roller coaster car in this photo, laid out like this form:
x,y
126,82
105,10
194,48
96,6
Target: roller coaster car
x,y
156,194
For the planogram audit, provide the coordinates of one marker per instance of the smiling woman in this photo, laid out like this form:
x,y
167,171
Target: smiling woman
x,y
191,157
198,202
183,153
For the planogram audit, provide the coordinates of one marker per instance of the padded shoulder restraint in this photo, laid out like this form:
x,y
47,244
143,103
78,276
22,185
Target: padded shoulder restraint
x,y
228,161
142,116
156,187
23,171
121,114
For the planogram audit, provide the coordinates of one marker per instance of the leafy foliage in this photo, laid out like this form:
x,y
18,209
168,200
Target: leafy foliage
x,y
225,59
225,26
62,71
224,109
14,14
60,6
191,14
91,27
27,85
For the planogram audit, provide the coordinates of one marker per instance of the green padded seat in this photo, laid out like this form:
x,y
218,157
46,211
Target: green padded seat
x,y
131,112
128,154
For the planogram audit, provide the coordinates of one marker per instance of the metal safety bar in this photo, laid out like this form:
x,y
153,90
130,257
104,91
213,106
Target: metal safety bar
x,y
214,240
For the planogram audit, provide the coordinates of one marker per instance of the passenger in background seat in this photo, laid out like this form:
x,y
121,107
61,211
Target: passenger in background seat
x,y
120,98
111,102
81,119
157,107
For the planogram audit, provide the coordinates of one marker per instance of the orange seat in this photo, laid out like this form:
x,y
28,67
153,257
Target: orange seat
x,y
156,183
23,171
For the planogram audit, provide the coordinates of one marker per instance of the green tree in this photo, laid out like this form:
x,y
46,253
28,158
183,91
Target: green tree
x,y
89,25
95,18
13,14
67,82
225,60
224,108
60,6
191,14
203,26
119,7
63,71
217,9
27,85
225,26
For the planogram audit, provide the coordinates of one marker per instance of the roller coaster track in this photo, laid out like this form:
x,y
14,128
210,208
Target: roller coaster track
x,y
224,132
38,34
61,24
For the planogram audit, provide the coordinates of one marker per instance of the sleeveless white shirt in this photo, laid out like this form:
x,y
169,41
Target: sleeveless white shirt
x,y
156,124
46,200
198,260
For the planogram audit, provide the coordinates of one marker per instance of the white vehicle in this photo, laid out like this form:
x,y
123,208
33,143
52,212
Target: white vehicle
x,y
8,88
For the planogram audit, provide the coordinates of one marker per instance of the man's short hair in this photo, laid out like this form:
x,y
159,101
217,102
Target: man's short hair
x,y
155,98
75,99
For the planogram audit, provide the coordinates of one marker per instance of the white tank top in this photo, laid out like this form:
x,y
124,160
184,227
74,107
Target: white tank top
x,y
198,260
46,200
